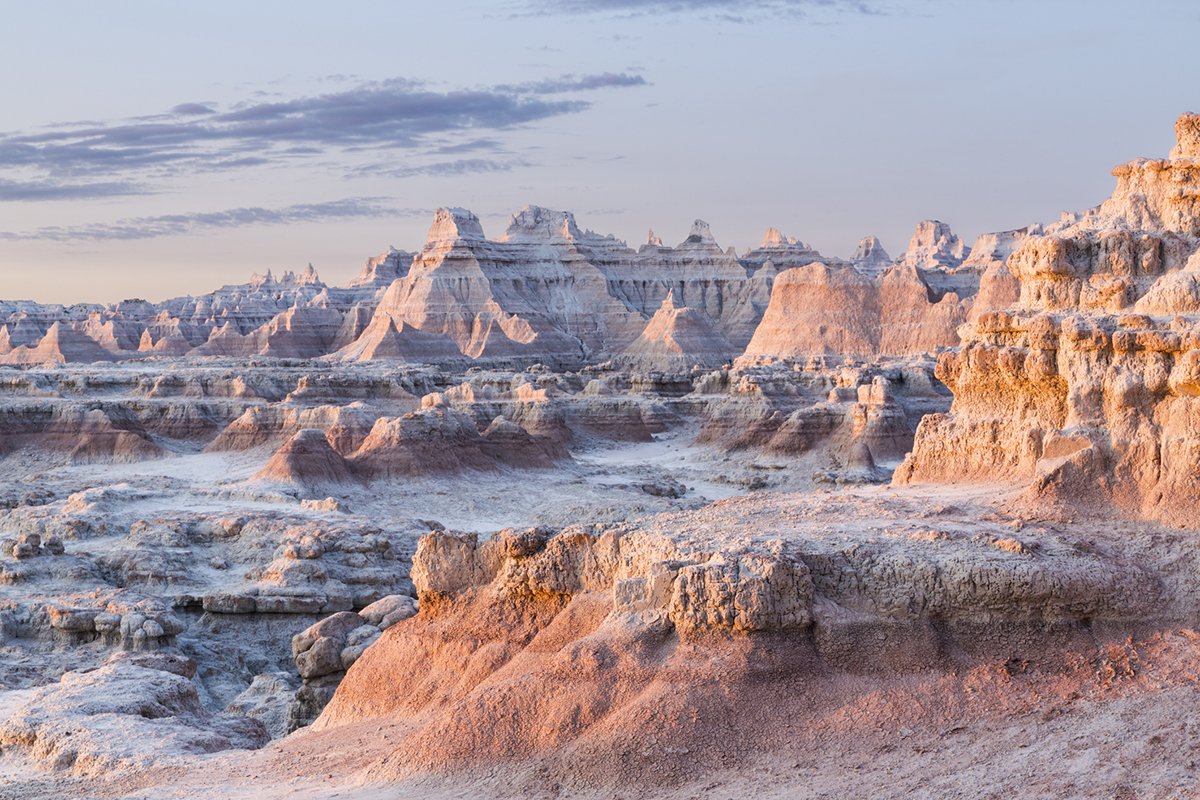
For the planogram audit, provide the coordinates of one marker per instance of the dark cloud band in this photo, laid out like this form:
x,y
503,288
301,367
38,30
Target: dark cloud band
x,y
199,136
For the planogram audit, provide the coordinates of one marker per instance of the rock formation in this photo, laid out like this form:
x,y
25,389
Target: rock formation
x,y
677,338
934,245
547,516
870,257
1084,386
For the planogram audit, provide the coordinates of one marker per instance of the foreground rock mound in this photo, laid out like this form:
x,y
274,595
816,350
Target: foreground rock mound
x,y
587,649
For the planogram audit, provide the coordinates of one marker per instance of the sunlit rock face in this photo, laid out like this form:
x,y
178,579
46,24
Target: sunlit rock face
x,y
835,309
1085,385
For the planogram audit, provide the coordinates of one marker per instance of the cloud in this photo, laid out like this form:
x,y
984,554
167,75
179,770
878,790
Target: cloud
x,y
44,190
193,109
577,83
178,224
472,146
724,10
444,169
390,114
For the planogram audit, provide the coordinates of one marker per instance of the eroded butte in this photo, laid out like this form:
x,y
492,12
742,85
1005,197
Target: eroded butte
x,y
548,516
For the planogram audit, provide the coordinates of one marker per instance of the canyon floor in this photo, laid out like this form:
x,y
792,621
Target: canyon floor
x,y
1104,710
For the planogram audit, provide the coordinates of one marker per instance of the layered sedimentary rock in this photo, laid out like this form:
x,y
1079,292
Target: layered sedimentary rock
x,y
827,309
549,290
870,257
678,338
545,291
1085,386
934,245
59,345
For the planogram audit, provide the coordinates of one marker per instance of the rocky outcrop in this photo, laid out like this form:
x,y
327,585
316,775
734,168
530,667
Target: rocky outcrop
x,y
552,291
60,344
1084,387
840,417
324,651
934,245
870,258
824,310
565,648
677,338
134,712
817,310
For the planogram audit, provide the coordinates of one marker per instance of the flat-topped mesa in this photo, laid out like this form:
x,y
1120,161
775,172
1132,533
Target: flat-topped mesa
x,y
453,224
933,246
534,223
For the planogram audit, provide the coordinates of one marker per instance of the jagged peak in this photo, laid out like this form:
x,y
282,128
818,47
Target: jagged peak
x,y
871,249
701,233
258,281
775,238
309,276
654,240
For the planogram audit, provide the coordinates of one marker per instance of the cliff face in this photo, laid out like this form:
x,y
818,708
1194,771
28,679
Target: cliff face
x,y
1087,385
824,309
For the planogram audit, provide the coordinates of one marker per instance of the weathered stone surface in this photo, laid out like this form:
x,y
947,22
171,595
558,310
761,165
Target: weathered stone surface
x,y
1082,388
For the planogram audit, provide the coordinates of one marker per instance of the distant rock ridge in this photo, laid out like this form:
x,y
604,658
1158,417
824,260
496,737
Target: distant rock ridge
x,y
547,290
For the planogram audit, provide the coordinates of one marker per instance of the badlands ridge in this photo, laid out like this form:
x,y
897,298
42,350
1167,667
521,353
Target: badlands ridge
x,y
549,516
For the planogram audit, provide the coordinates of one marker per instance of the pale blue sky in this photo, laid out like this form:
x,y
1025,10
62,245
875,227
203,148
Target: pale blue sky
x,y
301,132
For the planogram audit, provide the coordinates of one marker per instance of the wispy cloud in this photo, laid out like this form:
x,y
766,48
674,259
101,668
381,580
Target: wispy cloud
x,y
177,224
576,83
443,169
725,10
45,190
196,137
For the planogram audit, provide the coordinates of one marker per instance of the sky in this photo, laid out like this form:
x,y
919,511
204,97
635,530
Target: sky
x,y
152,149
